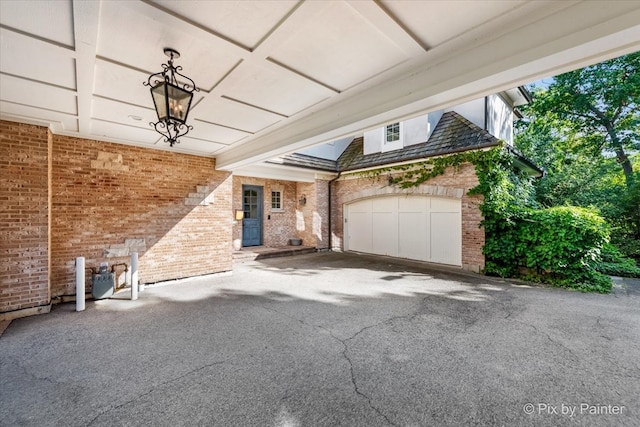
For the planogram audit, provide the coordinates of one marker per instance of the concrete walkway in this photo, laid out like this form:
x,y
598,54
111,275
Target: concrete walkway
x,y
626,286
328,339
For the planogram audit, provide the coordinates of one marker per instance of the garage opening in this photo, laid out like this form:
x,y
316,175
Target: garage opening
x,y
422,228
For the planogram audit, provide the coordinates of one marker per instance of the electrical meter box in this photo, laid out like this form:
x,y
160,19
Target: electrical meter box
x,y
104,283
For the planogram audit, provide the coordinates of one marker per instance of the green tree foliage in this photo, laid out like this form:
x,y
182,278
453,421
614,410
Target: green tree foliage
x,y
584,130
598,107
560,246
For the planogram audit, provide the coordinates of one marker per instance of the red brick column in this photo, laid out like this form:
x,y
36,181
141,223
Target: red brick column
x,y
25,168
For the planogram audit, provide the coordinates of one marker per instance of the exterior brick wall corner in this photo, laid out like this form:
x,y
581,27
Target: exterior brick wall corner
x,y
59,204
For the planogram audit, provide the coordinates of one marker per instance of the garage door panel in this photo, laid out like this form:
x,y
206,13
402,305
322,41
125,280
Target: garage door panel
x,y
445,205
413,238
384,205
412,204
360,236
361,206
385,233
414,227
445,238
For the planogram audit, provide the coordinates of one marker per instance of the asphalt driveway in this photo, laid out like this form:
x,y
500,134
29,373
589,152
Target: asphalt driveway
x,y
328,339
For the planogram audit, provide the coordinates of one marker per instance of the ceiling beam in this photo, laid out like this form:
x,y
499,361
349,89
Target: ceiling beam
x,y
562,37
86,18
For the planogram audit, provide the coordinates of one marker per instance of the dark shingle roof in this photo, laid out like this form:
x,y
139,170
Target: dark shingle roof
x,y
452,134
306,161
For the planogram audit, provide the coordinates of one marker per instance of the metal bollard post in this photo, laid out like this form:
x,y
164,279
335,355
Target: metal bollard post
x,y
80,283
134,276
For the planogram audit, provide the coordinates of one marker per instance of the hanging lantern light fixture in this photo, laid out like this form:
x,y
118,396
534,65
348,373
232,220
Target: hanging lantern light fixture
x,y
172,99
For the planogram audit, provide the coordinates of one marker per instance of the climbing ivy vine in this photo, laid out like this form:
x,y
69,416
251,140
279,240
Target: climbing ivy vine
x,y
559,246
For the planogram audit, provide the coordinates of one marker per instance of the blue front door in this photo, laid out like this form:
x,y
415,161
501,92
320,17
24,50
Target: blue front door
x,y
252,222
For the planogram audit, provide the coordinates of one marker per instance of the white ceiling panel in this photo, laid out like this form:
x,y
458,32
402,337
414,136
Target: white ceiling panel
x,y
274,88
120,112
125,84
193,146
213,132
129,37
125,133
50,20
57,121
335,45
234,115
18,51
425,18
26,92
245,23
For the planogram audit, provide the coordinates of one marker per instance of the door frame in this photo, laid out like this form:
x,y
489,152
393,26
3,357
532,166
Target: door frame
x,y
260,219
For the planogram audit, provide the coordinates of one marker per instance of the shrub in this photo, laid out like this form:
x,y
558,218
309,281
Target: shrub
x,y
614,263
560,246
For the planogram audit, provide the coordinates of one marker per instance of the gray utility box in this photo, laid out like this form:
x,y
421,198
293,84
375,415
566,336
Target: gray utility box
x,y
103,284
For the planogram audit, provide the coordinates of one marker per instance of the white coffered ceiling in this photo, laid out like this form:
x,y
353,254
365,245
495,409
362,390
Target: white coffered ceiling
x,y
277,76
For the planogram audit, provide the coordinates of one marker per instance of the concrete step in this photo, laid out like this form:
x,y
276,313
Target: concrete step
x,y
263,252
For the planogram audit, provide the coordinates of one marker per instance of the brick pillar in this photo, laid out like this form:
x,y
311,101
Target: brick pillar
x,y
321,218
25,220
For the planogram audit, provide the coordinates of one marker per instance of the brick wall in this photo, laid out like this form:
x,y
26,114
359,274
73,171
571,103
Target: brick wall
x,y
66,197
112,199
25,166
453,183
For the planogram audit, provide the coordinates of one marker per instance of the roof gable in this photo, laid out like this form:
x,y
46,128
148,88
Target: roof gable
x,y
453,134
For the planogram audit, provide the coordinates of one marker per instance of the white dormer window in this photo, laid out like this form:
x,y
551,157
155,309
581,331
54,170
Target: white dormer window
x,y
392,137
392,133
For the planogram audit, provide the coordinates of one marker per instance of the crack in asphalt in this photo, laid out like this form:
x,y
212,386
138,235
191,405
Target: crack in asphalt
x,y
152,389
505,301
576,357
346,349
34,376
538,331
355,383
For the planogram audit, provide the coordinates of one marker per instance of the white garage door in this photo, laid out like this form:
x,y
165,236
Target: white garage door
x,y
413,227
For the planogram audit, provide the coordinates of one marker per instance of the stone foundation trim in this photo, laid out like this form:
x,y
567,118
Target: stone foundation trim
x,y
424,190
25,312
